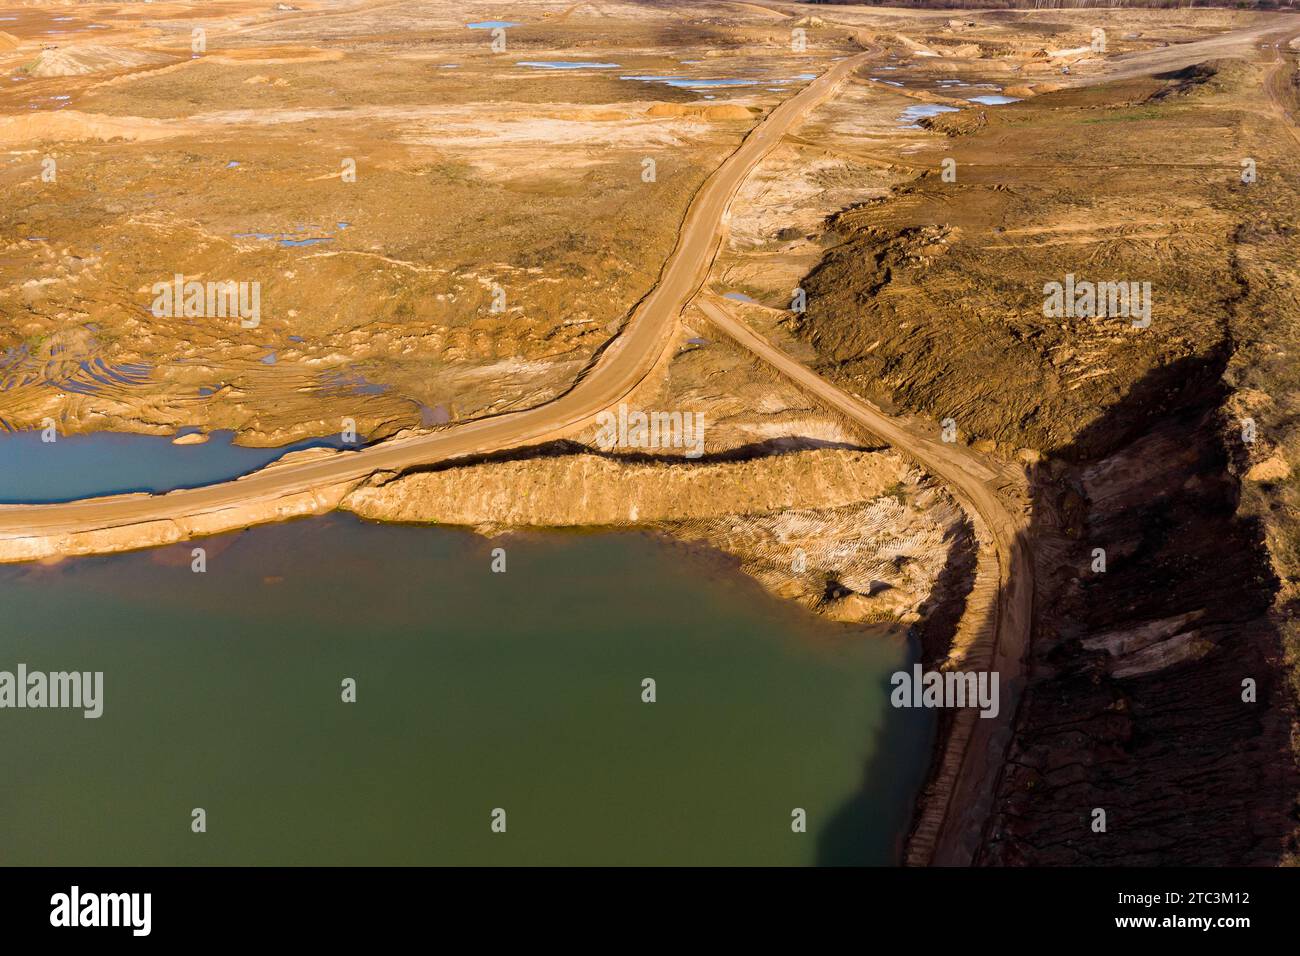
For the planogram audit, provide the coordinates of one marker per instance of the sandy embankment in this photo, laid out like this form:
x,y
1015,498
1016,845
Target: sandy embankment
x,y
149,534
857,536
594,490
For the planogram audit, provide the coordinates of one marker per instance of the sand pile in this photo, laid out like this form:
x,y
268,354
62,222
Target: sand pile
x,y
716,111
70,125
91,58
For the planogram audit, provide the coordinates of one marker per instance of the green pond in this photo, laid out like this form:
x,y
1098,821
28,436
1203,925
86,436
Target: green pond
x,y
475,691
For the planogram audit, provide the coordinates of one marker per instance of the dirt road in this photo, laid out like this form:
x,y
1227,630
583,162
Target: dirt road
x,y
1278,86
994,633
622,366
1238,43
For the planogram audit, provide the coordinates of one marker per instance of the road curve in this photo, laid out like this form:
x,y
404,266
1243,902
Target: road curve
x,y
1278,86
1235,43
994,638
622,366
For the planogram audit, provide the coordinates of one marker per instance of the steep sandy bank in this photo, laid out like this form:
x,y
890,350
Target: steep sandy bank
x,y
590,489
854,535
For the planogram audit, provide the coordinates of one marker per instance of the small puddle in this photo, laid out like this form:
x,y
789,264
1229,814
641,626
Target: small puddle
x,y
491,24
910,115
437,415
995,99
567,65
687,83
285,240
354,382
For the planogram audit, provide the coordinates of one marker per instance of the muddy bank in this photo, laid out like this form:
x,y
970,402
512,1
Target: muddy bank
x,y
1137,677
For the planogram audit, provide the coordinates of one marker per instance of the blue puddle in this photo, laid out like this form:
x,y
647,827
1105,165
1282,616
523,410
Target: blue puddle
x,y
994,100
688,83
437,415
910,115
566,65
285,241
491,24
355,382
110,463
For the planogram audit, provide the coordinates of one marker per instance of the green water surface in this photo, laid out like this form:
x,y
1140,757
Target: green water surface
x,y
475,691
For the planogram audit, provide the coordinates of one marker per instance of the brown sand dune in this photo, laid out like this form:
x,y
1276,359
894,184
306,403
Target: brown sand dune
x,y
92,58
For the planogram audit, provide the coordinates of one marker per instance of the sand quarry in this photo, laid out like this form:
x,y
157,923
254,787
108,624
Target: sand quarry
x,y
451,209
439,232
